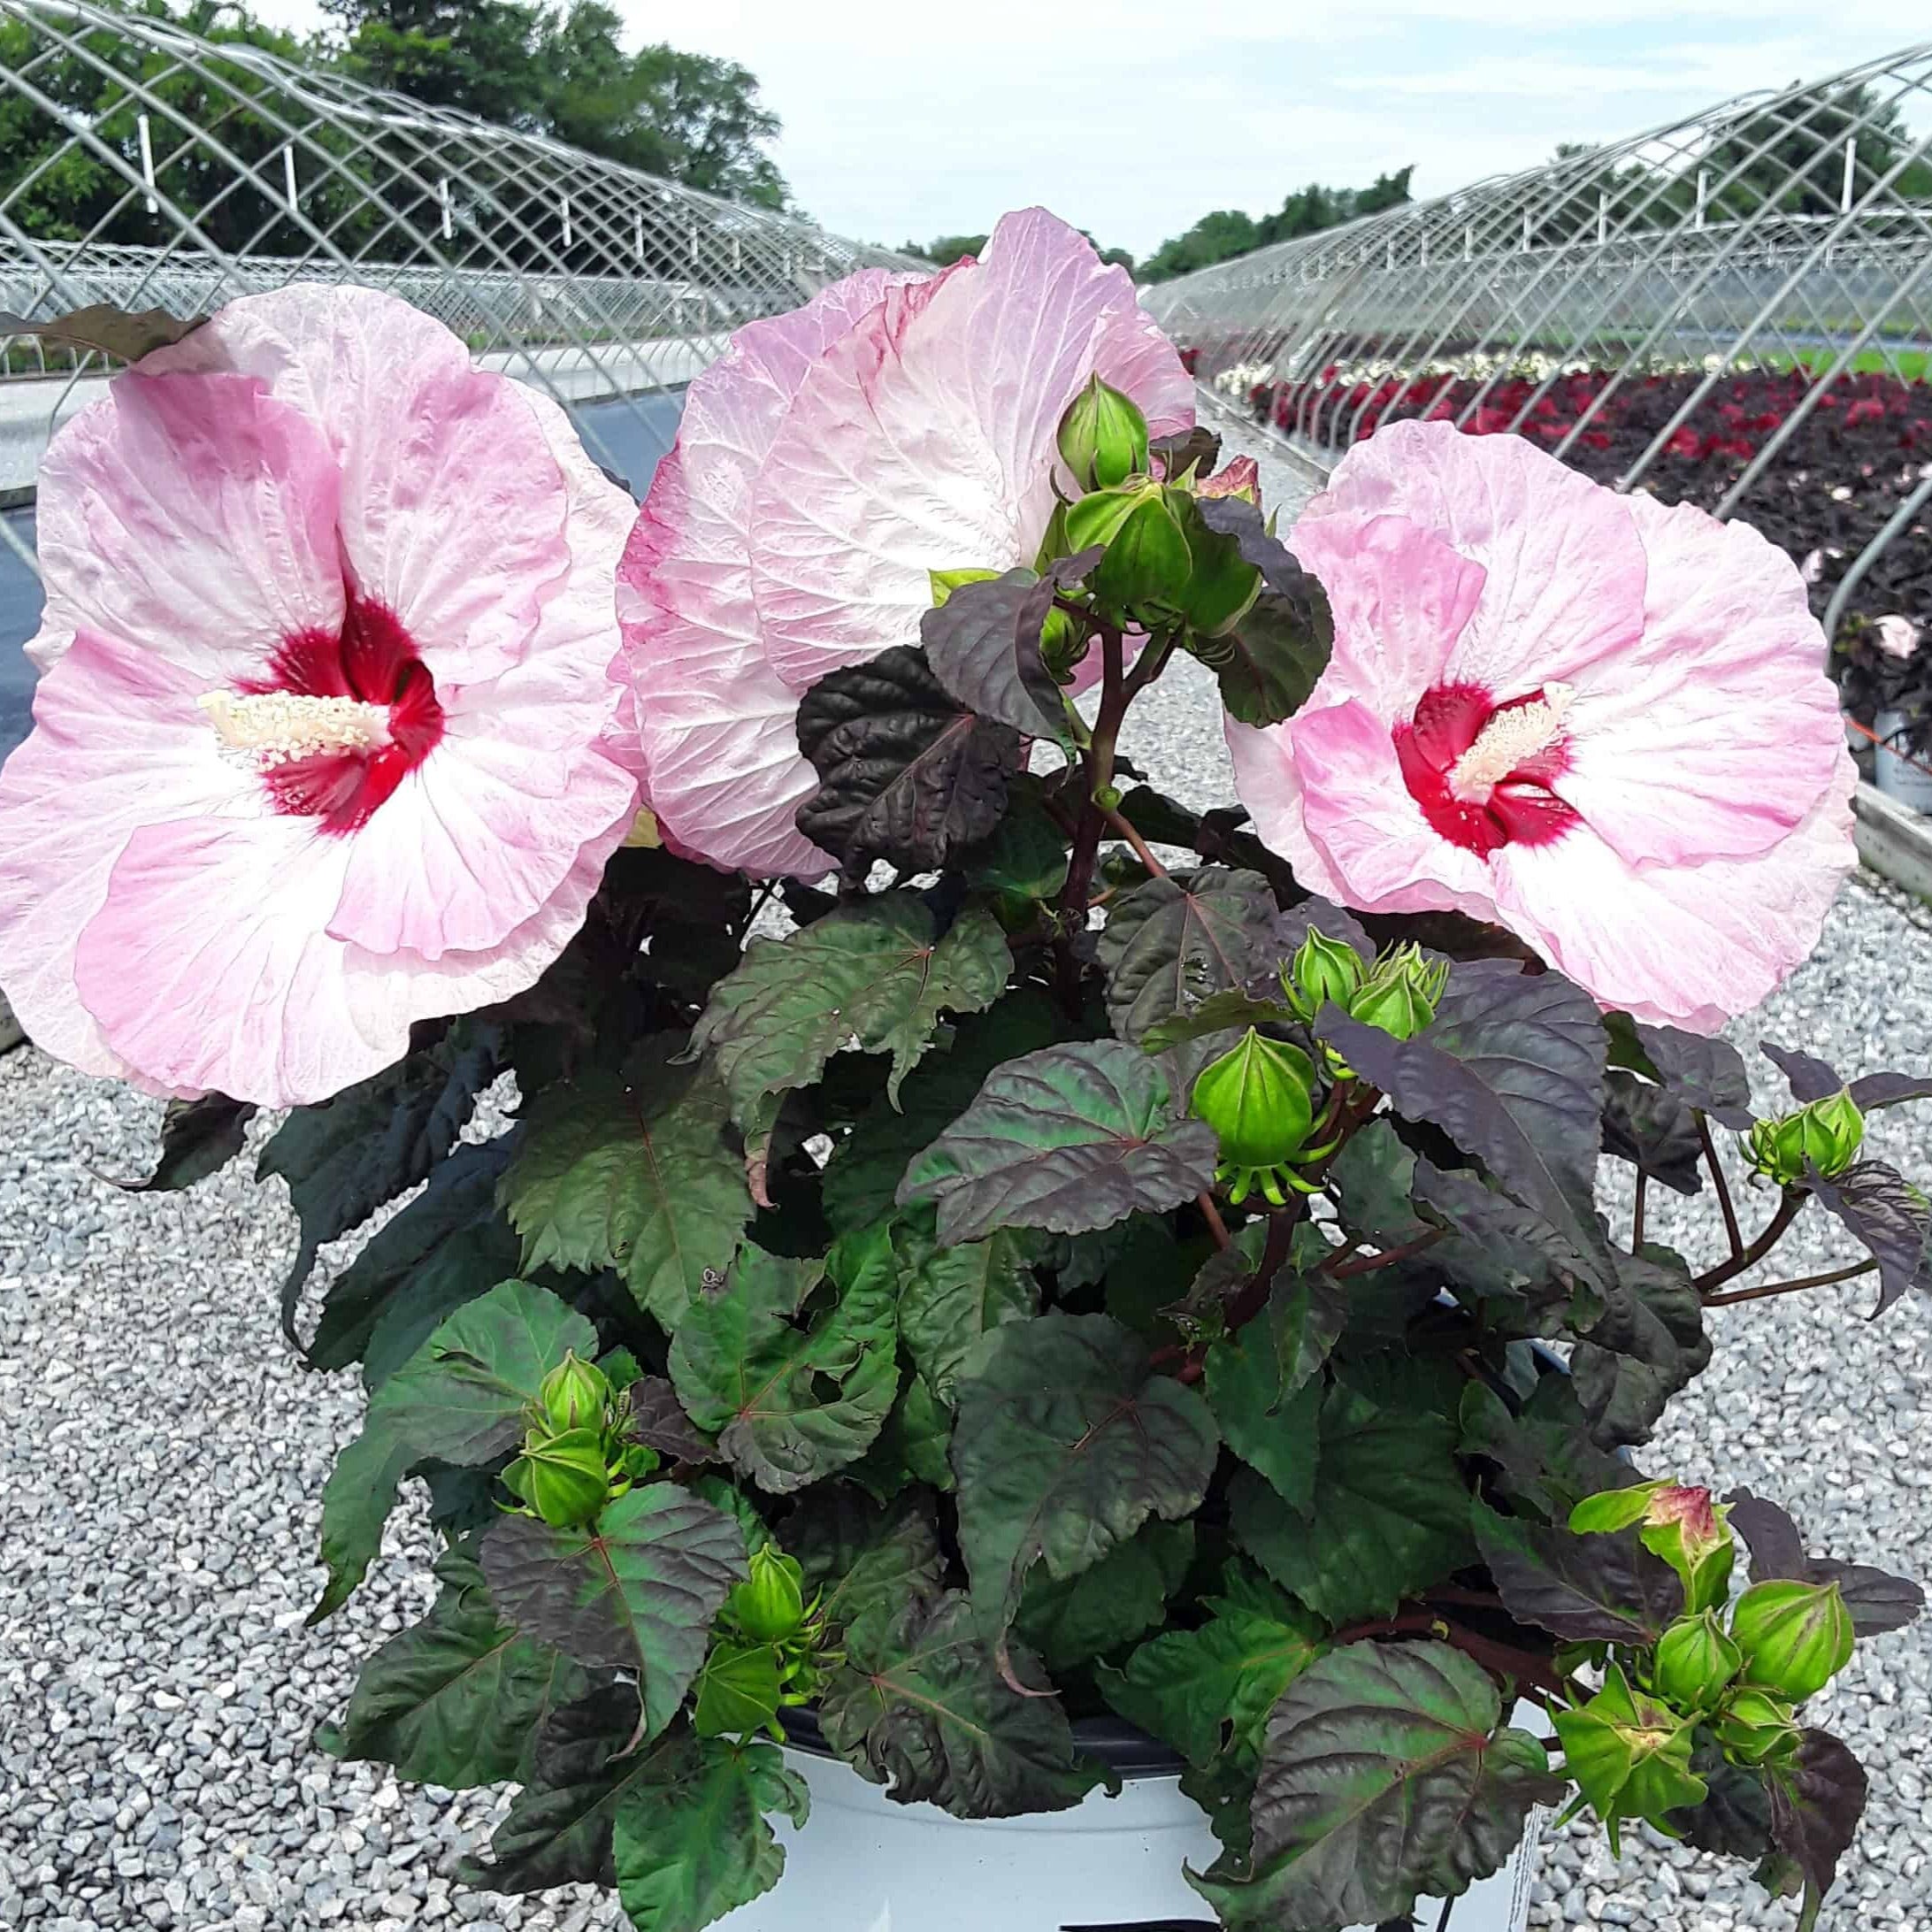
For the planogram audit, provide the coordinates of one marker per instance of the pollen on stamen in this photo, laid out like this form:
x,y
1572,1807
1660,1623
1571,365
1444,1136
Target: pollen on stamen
x,y
274,727
1512,736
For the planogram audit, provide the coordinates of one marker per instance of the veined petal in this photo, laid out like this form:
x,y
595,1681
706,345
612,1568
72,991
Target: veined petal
x,y
193,517
926,441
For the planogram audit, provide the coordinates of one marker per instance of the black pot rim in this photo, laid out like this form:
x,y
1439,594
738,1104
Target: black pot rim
x,y
1127,1752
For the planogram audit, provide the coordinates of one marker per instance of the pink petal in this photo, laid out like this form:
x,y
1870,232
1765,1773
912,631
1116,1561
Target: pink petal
x,y
1358,814
716,723
1689,946
193,516
1400,597
926,441
1265,781
118,742
1566,566
1716,733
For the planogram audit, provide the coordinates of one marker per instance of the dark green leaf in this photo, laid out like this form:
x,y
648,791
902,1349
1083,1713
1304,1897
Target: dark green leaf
x,y
1498,1246
862,1178
636,1590
1224,1012
1373,1179
1704,1073
878,974
1124,1595
906,772
1543,1454
1072,1139
948,1298
444,1249
1264,1385
656,1419
866,1557
789,1405
983,645
1654,1130
454,1700
1175,942
1602,1589
1390,1515
1065,1444
1512,1070
631,1170
1207,1692
1026,854
1384,1777
1735,1819
1272,660
1815,1808
911,1447
125,334
197,1138
346,1158
1891,1217
694,1845
921,1708
459,1399
1648,1344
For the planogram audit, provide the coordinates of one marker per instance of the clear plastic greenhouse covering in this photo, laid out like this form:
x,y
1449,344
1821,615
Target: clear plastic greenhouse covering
x,y
145,166
1735,309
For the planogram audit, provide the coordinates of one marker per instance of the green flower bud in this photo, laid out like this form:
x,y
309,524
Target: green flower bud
x,y
1796,1636
1754,1727
1148,565
770,1605
1400,992
574,1395
1676,1522
1826,1135
1323,971
1097,517
1695,1663
562,1478
1103,437
1258,1098
945,583
1628,1754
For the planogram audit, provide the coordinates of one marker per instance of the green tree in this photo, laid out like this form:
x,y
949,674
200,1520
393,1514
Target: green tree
x,y
1228,232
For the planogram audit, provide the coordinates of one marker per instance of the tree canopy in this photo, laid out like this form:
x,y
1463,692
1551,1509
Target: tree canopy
x,y
1228,232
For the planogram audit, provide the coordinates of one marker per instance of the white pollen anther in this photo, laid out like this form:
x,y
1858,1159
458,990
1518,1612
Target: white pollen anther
x,y
1508,738
275,727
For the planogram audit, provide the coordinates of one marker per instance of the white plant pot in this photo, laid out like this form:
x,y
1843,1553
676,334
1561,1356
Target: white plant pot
x,y
1897,778
863,1864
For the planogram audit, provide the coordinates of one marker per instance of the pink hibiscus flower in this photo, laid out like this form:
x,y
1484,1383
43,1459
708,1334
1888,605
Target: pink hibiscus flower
x,y
1602,723
825,466
318,746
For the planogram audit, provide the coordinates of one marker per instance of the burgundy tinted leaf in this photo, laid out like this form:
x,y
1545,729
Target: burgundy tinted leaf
x,y
197,1137
1647,1345
1877,1600
127,335
1199,449
1877,1090
1777,1550
1735,1819
1583,1589
658,1420
1890,1216
1175,942
1654,1129
1816,1807
1707,1074
1810,1078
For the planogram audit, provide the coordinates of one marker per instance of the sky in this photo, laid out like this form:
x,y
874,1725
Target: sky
x,y
906,120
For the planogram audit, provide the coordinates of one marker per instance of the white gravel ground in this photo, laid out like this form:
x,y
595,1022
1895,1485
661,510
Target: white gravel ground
x,y
163,1455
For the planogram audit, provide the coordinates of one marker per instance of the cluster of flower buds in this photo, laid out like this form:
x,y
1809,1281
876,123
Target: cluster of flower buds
x,y
1260,1098
1736,1682
768,1652
1165,568
1396,993
575,1457
1824,1137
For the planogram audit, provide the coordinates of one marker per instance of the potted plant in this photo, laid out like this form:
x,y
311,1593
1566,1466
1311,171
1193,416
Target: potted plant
x,y
1883,675
1010,1309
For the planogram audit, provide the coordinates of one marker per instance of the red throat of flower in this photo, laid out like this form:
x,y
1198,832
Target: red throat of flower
x,y
1481,771
340,719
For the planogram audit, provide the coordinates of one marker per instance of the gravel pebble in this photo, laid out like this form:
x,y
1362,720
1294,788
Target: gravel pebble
x,y
165,1453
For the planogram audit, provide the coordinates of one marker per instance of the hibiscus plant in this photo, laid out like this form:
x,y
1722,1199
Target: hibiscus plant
x,y
980,1247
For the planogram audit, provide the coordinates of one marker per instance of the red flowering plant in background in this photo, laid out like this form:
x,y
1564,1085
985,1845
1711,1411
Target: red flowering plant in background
x,y
1071,1256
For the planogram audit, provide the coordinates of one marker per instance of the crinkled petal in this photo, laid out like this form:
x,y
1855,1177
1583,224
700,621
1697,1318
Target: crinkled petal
x,y
715,724
1566,566
1400,596
1689,946
1718,732
453,509
118,742
926,441
1380,852
194,516
1265,781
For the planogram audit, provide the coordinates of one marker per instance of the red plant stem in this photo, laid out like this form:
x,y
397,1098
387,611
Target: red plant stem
x,y
1636,1211
1366,1264
1501,1660
1774,1233
1087,829
1733,1233
1250,1298
1216,1226
1791,1287
1142,850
